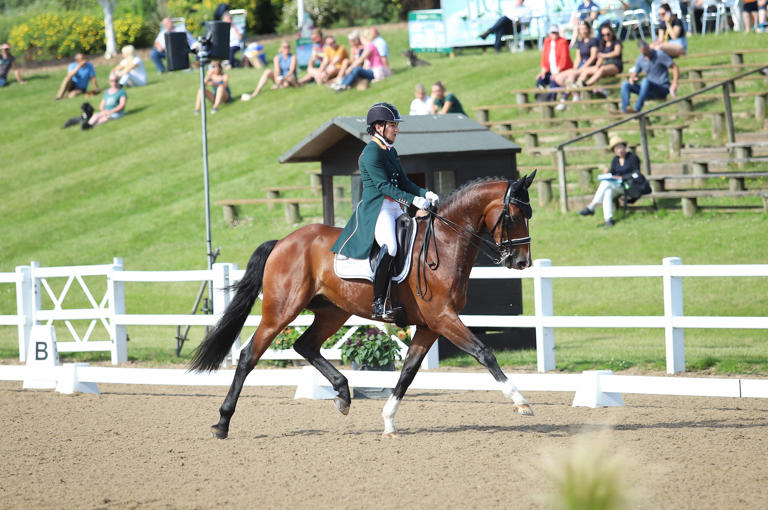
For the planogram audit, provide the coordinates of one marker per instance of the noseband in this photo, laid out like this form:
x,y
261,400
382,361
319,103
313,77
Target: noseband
x,y
506,241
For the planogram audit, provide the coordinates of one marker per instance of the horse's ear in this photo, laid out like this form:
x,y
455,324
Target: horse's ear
x,y
528,179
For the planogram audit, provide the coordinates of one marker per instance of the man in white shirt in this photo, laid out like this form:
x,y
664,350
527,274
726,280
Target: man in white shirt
x,y
235,38
510,22
422,103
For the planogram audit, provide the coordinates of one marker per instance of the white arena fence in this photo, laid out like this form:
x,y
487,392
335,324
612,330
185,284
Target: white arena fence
x,y
107,312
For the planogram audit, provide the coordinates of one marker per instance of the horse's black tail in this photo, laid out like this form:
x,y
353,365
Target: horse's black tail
x,y
215,346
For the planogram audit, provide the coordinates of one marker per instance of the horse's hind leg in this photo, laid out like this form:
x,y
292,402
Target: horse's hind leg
x,y
327,322
249,356
420,344
462,337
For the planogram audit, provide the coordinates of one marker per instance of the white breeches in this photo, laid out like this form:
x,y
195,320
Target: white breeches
x,y
605,194
385,226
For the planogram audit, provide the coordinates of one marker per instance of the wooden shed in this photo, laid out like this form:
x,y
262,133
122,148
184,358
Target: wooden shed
x,y
438,152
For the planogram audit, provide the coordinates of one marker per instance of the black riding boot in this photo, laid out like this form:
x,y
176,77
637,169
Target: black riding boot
x,y
381,283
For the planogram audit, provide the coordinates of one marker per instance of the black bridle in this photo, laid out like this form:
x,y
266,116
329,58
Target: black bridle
x,y
497,252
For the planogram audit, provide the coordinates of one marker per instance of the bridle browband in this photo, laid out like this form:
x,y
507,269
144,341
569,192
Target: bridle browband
x,y
499,251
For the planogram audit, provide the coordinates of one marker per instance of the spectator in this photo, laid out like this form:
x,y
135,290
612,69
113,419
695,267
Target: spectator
x,y
751,12
219,81
367,66
671,35
333,56
112,105
157,54
623,165
609,59
509,23
255,55
283,73
373,35
6,64
444,103
355,50
585,11
130,70
656,85
75,82
555,58
421,104
316,58
235,38
585,56
762,18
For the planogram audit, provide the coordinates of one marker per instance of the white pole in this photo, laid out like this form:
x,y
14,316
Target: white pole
x,y
300,14
673,307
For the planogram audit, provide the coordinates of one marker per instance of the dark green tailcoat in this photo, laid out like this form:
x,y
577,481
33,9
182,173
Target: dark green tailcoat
x,y
382,176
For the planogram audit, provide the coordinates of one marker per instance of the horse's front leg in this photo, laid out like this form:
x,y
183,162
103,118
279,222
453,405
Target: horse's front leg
x,y
455,331
420,345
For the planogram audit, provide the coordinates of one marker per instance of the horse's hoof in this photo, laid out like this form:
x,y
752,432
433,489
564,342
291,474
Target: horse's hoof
x,y
524,409
390,435
219,433
341,405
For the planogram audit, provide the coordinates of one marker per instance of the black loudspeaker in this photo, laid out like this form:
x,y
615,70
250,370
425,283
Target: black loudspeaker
x,y
217,32
176,51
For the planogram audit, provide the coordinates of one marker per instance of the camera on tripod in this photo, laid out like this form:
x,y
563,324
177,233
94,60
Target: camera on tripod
x,y
214,45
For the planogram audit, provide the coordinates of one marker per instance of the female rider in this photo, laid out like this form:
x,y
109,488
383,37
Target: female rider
x,y
385,188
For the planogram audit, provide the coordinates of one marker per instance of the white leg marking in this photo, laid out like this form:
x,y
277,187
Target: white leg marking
x,y
510,391
388,413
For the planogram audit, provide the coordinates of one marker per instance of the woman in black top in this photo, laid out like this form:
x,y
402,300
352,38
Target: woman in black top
x,y
585,57
671,36
623,165
608,62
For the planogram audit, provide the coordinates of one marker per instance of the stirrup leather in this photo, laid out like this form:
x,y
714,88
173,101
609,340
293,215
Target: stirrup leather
x,y
382,282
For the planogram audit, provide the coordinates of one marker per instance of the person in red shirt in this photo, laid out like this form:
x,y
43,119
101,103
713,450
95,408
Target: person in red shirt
x,y
555,58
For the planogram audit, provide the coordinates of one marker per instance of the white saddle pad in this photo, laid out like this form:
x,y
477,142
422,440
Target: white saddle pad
x,y
349,268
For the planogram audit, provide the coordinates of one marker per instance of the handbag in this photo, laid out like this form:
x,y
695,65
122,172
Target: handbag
x,y
635,186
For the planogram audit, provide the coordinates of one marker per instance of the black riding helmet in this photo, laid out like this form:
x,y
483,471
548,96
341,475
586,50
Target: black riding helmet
x,y
382,112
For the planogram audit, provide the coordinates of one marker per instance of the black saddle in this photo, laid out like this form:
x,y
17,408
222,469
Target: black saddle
x,y
403,230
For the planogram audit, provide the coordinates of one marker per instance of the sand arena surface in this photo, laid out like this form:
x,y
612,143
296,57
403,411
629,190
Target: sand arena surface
x,y
150,447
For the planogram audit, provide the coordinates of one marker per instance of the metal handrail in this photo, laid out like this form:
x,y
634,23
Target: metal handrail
x,y
641,118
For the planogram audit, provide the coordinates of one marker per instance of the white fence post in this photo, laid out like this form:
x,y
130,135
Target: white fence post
x,y
545,337
221,298
673,307
25,307
117,332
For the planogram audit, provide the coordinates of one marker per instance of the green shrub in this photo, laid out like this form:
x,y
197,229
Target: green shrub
x,y
63,35
261,18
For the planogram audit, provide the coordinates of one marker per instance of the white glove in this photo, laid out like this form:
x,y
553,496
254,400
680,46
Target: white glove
x,y
432,197
421,202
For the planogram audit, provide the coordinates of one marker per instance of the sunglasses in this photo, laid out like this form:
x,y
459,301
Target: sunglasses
x,y
606,34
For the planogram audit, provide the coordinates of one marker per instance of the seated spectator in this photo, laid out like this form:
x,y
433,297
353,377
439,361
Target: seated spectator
x,y
355,50
585,56
585,11
656,85
218,80
671,36
609,59
762,16
421,104
367,66
316,58
283,72
373,35
235,38
255,56
75,82
6,64
509,23
623,165
130,71
157,53
555,58
444,103
334,54
112,105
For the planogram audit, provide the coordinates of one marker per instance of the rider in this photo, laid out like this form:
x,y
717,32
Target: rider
x,y
386,188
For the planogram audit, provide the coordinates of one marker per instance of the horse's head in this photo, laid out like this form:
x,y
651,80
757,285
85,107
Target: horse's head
x,y
507,220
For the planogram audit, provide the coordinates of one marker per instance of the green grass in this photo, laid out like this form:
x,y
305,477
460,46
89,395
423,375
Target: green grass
x,y
133,188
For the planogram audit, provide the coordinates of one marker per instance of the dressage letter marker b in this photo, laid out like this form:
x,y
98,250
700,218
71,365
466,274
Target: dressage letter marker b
x,y
42,359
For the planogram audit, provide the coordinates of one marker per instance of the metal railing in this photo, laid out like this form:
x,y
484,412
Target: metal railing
x,y
726,85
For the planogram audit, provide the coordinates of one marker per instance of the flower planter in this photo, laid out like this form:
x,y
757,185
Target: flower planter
x,y
366,392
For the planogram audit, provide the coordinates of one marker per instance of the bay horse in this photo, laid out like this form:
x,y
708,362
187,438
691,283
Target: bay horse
x,y
296,273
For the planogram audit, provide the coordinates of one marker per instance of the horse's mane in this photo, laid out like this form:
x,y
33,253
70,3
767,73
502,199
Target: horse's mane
x,y
460,194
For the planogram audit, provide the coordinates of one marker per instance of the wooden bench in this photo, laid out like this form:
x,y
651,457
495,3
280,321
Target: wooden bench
x,y
736,54
689,198
743,150
736,180
274,191
292,214
585,174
